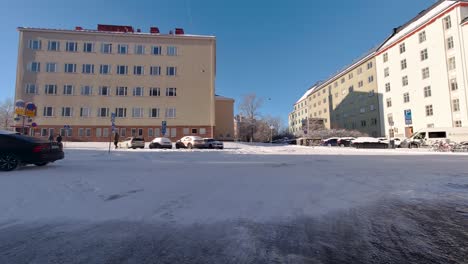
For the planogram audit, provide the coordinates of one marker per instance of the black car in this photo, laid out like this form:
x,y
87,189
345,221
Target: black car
x,y
331,142
17,149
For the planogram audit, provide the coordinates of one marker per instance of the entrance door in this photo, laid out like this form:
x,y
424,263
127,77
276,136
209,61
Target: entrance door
x,y
408,131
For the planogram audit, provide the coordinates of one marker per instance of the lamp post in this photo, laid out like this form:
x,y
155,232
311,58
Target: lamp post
x,y
271,134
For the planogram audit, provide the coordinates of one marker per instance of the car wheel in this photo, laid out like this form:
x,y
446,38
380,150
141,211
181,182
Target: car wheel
x,y
342,145
8,162
189,145
177,146
40,164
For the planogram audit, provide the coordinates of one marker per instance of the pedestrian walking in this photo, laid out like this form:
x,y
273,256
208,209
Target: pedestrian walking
x,y
59,139
116,139
51,137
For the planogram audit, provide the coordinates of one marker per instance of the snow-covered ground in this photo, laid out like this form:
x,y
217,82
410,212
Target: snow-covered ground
x,y
261,203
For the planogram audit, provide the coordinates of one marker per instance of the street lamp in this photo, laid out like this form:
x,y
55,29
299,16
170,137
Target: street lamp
x,y
271,134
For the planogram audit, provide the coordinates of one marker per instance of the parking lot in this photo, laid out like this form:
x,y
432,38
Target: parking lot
x,y
244,204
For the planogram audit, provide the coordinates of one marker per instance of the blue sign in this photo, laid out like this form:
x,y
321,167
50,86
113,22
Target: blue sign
x,y
112,117
67,127
408,117
163,127
113,128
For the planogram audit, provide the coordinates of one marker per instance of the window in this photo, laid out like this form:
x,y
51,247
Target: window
x,y
453,84
385,57
155,70
123,132
171,71
121,91
48,111
350,76
105,69
369,65
403,64
424,54
154,113
171,92
68,89
372,108
185,131
53,45
371,93
98,132
88,68
427,91
156,50
390,119
103,112
66,111
88,47
81,132
34,66
336,84
170,112
456,105
171,51
70,68
194,131
138,70
86,90
386,72
387,87
85,112
402,48
104,90
174,132
121,112
406,98
155,91
429,110
140,49
350,89
88,132
373,121
35,44
447,22
450,43
389,102
51,67
362,110
371,78
429,126
343,80
458,123
122,69
422,37
122,49
43,132
71,46
31,88
150,132
360,84
202,131
138,91
452,65
137,112
363,123
50,89
404,80
425,73
106,48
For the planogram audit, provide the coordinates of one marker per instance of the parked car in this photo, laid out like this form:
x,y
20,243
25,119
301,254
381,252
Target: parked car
x,y
345,141
161,142
19,150
331,142
396,141
132,142
212,143
368,142
429,136
190,142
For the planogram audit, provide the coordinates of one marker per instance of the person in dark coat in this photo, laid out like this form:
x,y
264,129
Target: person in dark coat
x,y
51,137
59,139
116,139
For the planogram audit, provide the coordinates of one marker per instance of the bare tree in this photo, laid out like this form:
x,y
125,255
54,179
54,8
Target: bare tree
x,y
7,111
249,108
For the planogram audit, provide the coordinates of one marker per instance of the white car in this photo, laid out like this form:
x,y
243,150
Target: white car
x,y
132,142
190,142
161,142
212,143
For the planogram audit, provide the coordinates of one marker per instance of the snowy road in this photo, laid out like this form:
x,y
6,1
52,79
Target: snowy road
x,y
246,204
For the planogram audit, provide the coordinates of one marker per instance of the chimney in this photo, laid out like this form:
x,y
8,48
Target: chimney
x,y
179,31
154,30
78,28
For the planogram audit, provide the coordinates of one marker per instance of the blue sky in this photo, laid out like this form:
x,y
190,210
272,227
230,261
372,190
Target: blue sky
x,y
276,49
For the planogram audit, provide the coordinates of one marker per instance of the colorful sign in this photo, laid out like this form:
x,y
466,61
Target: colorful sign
x,y
19,107
408,117
30,110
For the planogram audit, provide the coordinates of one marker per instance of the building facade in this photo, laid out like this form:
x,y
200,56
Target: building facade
x,y
422,71
298,118
78,78
224,129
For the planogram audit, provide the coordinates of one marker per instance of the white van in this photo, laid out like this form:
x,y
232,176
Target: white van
x,y
428,136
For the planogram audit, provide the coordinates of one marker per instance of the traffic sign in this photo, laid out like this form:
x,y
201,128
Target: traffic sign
x,y
113,117
408,117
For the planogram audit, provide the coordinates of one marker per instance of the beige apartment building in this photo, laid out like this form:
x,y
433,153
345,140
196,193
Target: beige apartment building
x,y
79,78
347,100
